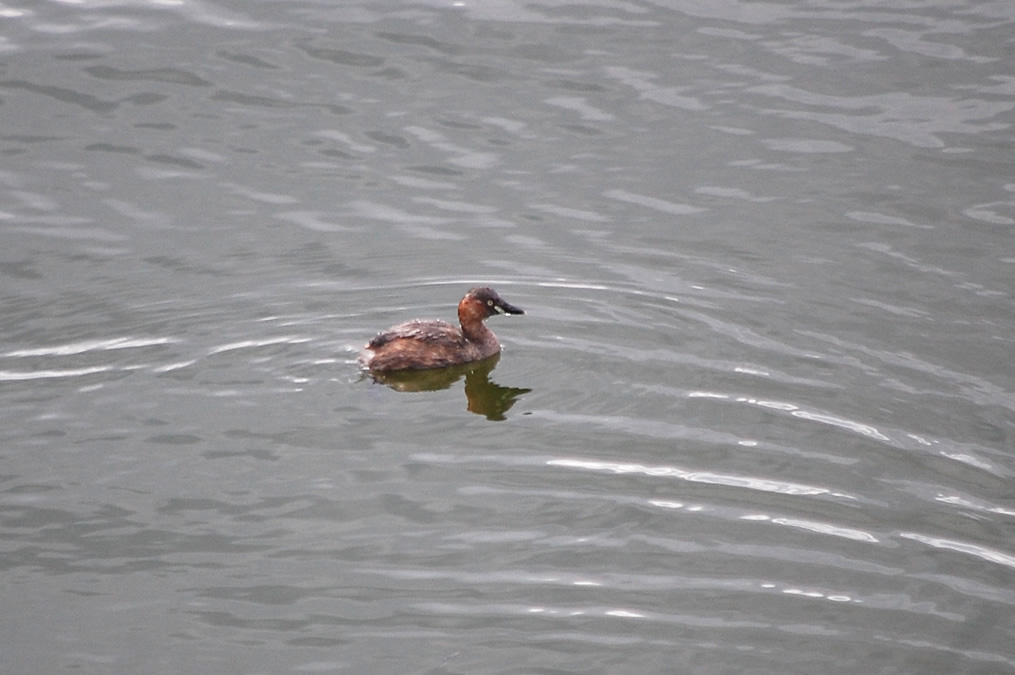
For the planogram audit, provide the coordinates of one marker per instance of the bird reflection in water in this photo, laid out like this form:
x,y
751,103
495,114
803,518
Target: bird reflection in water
x,y
485,397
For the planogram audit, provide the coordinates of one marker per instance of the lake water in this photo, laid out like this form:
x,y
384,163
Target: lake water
x,y
759,416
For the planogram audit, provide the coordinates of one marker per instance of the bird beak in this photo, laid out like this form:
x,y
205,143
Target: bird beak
x,y
505,308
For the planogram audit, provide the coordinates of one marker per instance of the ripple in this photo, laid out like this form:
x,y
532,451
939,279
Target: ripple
x,y
312,220
975,550
91,346
710,478
643,83
580,105
806,145
654,203
167,75
972,387
254,344
63,95
915,120
797,411
819,527
22,376
461,156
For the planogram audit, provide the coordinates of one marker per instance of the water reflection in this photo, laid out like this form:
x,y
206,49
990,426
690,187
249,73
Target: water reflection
x,y
484,396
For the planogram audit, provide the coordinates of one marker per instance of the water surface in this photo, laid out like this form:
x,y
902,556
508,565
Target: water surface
x,y
758,416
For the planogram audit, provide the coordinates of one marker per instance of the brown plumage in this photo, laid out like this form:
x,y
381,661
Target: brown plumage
x,y
417,345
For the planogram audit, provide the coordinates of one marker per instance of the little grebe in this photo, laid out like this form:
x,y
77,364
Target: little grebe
x,y
417,345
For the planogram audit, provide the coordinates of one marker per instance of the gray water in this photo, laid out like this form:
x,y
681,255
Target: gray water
x,y
759,416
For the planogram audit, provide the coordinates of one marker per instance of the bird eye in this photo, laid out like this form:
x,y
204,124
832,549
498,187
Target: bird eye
x,y
490,302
